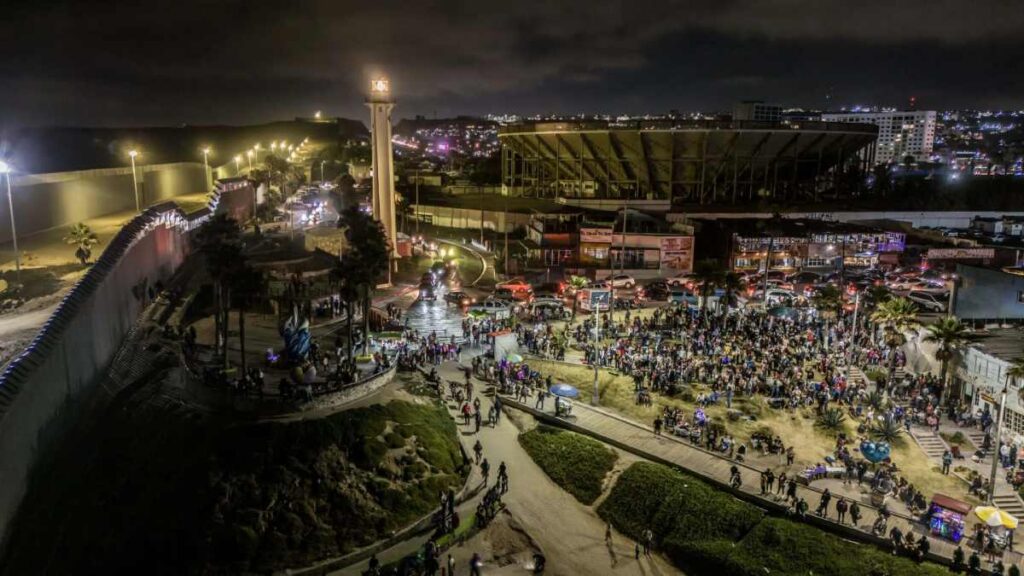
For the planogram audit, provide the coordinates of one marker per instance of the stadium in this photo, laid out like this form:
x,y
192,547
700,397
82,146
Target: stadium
x,y
665,162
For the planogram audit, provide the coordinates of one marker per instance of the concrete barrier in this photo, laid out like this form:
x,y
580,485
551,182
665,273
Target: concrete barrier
x,y
44,390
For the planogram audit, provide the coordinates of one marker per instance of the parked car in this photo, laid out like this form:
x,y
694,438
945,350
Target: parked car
x,y
621,281
505,293
677,296
658,290
930,301
458,298
550,289
494,307
516,285
553,308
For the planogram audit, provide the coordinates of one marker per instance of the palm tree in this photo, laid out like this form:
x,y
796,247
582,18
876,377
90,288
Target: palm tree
x,y
577,283
828,299
219,241
877,293
247,286
707,273
897,316
366,258
83,238
732,283
950,336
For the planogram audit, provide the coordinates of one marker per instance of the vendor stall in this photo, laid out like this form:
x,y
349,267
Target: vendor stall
x,y
946,517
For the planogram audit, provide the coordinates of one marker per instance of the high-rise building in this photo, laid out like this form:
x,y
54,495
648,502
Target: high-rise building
x,y
900,133
757,111
383,199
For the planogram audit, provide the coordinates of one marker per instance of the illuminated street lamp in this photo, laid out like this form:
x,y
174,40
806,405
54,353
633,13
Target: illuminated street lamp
x,y
317,115
238,163
5,169
273,145
322,162
250,154
135,181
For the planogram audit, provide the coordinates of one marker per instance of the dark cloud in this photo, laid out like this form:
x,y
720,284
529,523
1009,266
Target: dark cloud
x,y
91,62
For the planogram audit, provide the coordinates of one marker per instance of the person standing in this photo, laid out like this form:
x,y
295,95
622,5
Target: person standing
x,y
477,420
657,426
854,513
608,534
841,507
782,484
648,539
769,481
451,565
474,564
947,459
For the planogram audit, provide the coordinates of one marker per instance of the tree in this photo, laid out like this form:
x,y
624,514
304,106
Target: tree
x,y
707,274
219,240
828,299
877,293
732,282
897,316
366,259
577,283
83,238
247,286
950,336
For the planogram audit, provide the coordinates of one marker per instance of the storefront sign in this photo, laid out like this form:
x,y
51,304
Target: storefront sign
x,y
677,253
598,235
961,253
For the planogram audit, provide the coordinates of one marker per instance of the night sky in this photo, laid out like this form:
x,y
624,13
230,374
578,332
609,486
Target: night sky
x,y
167,63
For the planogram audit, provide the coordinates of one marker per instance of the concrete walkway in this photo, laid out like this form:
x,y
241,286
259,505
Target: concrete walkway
x,y
640,439
570,535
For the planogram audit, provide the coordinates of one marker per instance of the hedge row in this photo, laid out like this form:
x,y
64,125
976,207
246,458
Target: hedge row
x,y
576,463
706,531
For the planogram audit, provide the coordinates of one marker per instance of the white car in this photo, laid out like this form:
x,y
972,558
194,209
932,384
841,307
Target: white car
x,y
496,308
621,281
552,308
547,301
775,297
681,280
930,301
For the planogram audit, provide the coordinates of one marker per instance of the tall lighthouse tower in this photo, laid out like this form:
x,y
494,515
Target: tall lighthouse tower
x,y
380,104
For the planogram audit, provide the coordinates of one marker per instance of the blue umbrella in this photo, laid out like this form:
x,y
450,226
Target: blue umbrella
x,y
564,390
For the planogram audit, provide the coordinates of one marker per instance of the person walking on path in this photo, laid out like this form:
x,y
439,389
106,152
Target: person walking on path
x,y
540,400
648,539
854,513
478,450
451,565
502,478
485,469
822,510
657,426
474,564
608,534
947,459
791,490
477,419
497,408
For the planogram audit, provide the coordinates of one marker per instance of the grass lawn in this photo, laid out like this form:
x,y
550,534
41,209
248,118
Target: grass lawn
x,y
810,443
576,463
706,531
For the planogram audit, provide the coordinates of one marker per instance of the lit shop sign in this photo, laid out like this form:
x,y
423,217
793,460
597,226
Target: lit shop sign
x,y
960,253
596,235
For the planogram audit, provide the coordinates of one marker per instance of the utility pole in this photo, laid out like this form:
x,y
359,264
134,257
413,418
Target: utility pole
x,y
417,214
505,224
481,189
999,439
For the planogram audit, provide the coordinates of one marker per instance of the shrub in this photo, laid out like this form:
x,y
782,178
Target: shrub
x,y
831,419
394,440
887,430
576,463
707,532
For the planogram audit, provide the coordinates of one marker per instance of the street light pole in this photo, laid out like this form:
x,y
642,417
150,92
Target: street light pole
x,y
135,181
206,165
322,162
999,437
6,169
417,202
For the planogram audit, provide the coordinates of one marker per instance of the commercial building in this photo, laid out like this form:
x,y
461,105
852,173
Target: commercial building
x,y
900,133
757,111
982,375
592,243
814,245
988,295
656,163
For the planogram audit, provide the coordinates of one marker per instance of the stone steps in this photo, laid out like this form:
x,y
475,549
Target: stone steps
x,y
930,443
1009,502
